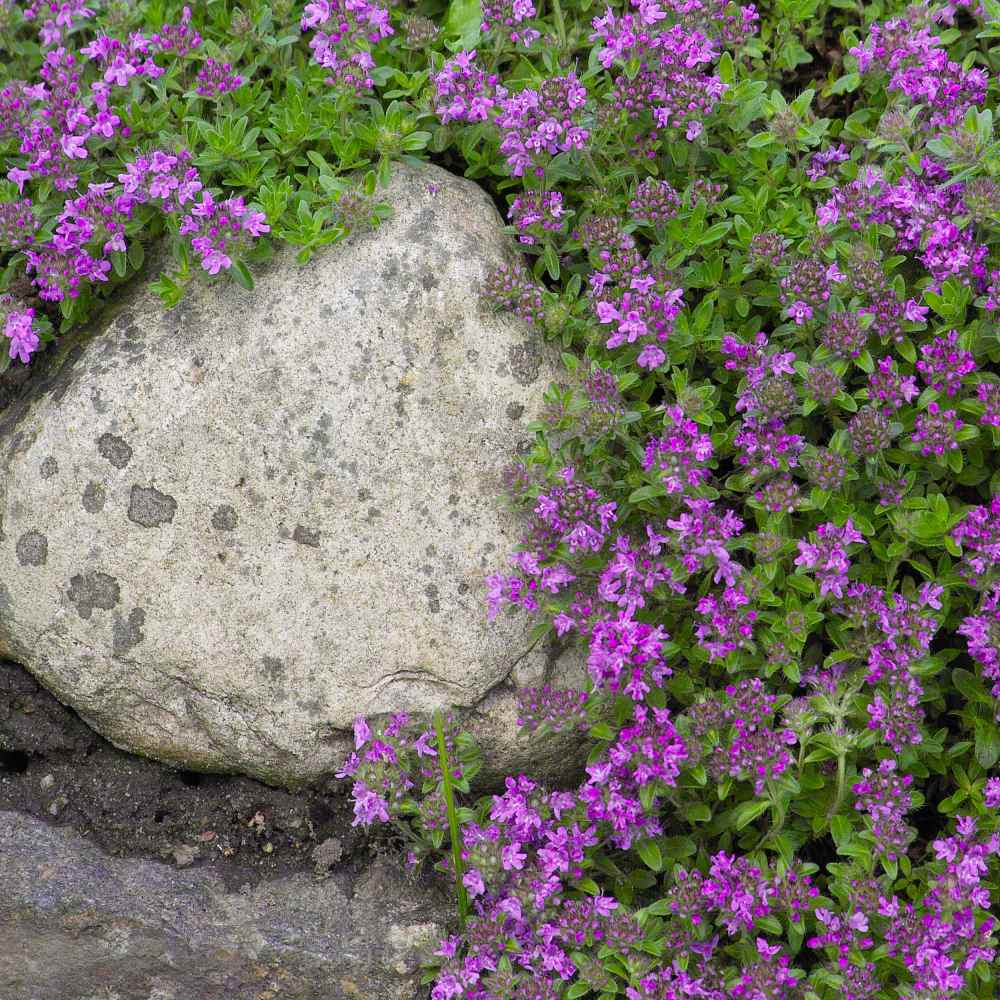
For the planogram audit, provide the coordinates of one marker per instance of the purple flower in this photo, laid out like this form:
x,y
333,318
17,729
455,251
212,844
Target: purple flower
x,y
344,30
535,213
473,881
827,556
512,289
505,17
655,202
726,623
982,633
535,125
19,328
944,364
886,799
513,857
801,312
216,79
626,655
936,430
362,732
555,708
681,454
991,793
463,91
888,387
368,806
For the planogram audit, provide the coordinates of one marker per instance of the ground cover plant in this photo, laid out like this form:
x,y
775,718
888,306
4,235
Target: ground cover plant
x,y
764,500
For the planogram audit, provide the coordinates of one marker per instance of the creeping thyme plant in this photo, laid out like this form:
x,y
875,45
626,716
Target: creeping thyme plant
x,y
764,500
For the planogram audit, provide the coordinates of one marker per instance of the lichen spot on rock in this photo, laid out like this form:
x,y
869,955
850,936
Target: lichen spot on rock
x,y
127,634
224,518
93,590
306,536
32,549
149,508
93,498
115,450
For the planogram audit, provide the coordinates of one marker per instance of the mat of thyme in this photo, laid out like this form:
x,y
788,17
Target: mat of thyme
x,y
763,500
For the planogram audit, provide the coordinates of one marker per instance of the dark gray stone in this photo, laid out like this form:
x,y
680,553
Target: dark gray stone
x,y
76,924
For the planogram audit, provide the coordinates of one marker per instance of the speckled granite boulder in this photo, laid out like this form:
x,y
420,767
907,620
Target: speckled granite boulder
x,y
227,529
76,924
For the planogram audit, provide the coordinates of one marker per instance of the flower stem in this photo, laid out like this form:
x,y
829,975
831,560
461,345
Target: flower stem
x,y
560,24
841,771
453,831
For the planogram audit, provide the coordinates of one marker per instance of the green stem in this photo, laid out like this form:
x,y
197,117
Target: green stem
x,y
560,24
803,747
595,173
778,823
497,51
841,772
453,832
778,806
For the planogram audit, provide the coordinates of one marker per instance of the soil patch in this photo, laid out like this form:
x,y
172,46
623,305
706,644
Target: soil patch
x,y
56,768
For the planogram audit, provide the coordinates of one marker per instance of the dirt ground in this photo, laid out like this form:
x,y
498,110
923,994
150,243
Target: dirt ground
x,y
55,768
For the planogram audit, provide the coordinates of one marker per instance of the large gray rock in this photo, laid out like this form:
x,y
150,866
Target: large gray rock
x,y
78,925
228,529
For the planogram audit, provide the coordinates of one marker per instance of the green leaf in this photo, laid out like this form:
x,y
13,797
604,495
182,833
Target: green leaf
x,y
726,73
698,813
650,853
464,19
747,812
845,85
447,789
987,743
840,829
551,261
647,493
969,685
242,275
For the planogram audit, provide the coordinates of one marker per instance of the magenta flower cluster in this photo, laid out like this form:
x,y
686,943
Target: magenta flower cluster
x,y
680,456
827,556
885,798
343,33
18,327
507,18
535,214
637,300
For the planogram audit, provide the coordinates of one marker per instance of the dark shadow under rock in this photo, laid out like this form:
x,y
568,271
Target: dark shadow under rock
x,y
57,769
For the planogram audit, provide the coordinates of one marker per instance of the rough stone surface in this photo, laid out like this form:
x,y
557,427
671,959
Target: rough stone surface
x,y
76,924
283,510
